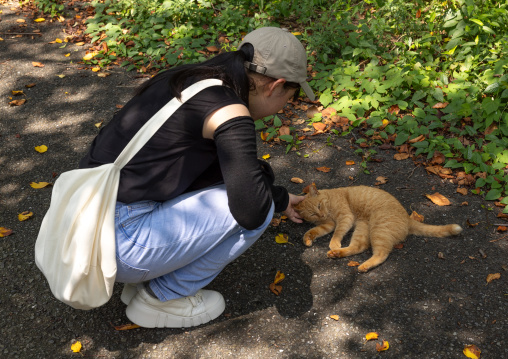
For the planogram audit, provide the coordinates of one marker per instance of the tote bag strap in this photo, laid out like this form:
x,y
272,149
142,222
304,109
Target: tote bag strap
x,y
152,126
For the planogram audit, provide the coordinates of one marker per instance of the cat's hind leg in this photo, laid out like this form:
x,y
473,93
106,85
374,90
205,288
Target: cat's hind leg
x,y
318,231
359,242
382,245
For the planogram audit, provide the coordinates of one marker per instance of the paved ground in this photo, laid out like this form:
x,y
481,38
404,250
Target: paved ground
x,y
423,305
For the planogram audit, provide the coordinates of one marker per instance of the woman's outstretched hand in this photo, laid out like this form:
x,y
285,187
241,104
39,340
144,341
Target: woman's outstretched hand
x,y
290,211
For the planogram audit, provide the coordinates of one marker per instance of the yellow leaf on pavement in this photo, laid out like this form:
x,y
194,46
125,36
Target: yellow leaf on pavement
x,y
296,180
279,277
334,317
41,148
493,276
472,351
67,55
41,19
76,347
96,69
40,184
265,157
382,347
4,232
23,216
372,335
90,56
282,238
16,93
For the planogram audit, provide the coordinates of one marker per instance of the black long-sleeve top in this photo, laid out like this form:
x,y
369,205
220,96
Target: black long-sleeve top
x,y
178,159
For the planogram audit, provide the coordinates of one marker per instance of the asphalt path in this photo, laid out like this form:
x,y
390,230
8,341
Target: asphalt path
x,y
430,299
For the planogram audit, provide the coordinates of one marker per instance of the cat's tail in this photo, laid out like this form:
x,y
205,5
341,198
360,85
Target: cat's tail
x,y
428,230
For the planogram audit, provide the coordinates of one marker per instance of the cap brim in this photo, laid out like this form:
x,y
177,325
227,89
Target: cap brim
x,y
308,91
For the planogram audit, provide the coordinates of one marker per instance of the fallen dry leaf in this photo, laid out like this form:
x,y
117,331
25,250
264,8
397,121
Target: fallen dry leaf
x,y
311,111
472,351
41,148
23,216
267,156
417,139
371,335
417,217
401,156
382,347
381,180
40,184
17,93
4,232
493,276
350,163
462,191
319,126
30,85
37,64
76,347
212,49
297,180
353,264
126,327
275,222
323,169
276,289
17,102
40,19
263,135
440,255
440,105
334,317
20,20
438,199
501,228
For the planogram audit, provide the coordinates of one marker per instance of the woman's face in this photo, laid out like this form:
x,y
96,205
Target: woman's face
x,y
269,99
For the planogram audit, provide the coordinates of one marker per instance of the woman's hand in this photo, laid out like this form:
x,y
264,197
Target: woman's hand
x,y
290,211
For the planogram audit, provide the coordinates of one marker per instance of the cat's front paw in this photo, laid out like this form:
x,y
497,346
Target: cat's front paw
x,y
307,241
308,238
363,268
333,253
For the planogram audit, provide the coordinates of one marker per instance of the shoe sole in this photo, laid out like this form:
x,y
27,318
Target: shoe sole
x,y
148,317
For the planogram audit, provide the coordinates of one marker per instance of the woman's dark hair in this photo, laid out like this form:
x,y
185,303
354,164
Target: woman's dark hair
x,y
228,67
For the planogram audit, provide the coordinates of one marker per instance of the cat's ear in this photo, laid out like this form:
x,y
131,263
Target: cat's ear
x,y
313,190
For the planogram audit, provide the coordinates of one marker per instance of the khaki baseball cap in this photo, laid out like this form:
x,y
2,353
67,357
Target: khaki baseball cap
x,y
278,54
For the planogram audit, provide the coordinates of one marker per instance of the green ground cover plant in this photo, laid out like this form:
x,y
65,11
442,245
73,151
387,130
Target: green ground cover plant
x,y
432,75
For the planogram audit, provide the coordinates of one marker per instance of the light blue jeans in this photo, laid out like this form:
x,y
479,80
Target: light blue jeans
x,y
179,245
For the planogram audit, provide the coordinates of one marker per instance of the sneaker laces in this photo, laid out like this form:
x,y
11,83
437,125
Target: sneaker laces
x,y
196,299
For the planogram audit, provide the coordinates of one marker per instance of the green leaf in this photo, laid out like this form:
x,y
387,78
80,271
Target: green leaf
x,y
326,98
493,194
276,121
476,21
287,138
401,138
489,30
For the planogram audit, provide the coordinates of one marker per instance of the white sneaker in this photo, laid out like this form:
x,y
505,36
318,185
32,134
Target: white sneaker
x,y
149,312
128,292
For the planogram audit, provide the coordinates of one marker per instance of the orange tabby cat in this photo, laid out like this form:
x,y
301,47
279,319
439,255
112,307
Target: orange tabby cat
x,y
380,221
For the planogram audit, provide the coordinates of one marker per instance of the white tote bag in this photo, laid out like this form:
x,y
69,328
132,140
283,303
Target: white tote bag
x,y
75,248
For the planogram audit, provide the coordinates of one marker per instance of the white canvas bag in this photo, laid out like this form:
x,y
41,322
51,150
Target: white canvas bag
x,y
75,248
